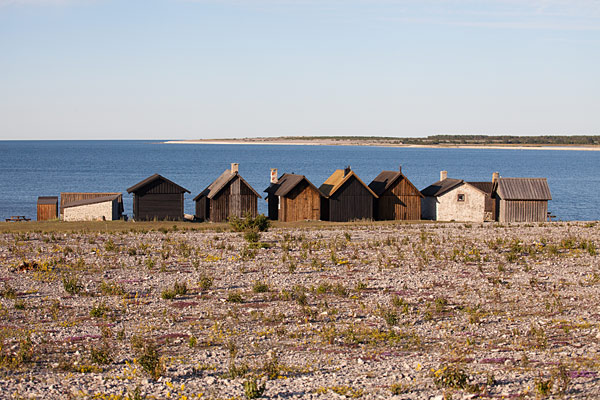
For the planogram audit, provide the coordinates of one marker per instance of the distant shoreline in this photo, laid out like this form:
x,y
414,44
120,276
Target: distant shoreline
x,y
345,142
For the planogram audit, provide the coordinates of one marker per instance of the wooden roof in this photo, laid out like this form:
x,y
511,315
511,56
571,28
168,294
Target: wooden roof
x,y
94,200
151,179
386,179
337,179
523,189
286,183
442,187
48,200
218,184
487,187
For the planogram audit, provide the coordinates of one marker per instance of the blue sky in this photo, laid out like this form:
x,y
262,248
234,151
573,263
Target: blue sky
x,y
184,69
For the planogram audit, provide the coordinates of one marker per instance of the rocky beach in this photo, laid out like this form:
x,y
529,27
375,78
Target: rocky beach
x,y
370,311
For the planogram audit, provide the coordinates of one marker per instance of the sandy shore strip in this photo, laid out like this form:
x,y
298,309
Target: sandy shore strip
x,y
375,144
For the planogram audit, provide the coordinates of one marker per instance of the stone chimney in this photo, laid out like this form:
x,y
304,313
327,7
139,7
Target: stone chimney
x,y
347,170
443,175
235,167
273,175
495,177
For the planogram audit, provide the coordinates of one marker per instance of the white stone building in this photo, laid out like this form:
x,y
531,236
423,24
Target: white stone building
x,y
454,200
104,208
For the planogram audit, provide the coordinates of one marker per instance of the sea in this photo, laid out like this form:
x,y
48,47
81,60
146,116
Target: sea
x,y
29,169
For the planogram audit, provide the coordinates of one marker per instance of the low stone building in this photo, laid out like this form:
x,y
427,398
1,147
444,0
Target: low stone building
x,y
454,200
106,208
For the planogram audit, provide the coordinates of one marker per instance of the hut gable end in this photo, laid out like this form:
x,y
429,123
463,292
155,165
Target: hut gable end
x,y
228,195
398,198
346,197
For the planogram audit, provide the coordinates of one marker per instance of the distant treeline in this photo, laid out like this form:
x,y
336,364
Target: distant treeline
x,y
464,139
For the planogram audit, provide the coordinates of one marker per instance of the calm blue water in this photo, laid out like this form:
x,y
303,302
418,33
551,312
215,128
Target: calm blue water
x,y
29,169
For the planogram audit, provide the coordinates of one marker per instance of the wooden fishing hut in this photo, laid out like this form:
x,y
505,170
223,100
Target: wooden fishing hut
x,y
157,198
398,198
346,197
293,197
522,199
229,195
47,208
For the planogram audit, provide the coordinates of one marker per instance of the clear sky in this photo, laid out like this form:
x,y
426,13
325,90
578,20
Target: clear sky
x,y
181,69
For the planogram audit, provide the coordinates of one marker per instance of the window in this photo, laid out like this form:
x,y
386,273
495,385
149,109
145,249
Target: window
x,y
461,197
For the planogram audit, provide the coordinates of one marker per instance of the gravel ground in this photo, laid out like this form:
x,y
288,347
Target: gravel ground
x,y
372,312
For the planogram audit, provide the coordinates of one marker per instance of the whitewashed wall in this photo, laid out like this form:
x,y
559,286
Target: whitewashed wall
x,y
92,212
470,210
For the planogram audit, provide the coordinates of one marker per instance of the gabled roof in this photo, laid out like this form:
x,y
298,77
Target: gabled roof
x,y
286,183
218,184
442,187
151,179
386,179
94,200
523,189
337,179
487,187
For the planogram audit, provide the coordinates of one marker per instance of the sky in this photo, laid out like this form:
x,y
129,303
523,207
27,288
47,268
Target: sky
x,y
190,69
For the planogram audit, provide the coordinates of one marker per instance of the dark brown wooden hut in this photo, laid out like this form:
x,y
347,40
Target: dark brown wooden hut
x,y
229,195
72,197
157,198
293,198
47,208
522,199
398,198
346,197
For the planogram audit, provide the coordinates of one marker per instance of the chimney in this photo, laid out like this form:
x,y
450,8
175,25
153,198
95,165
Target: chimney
x,y
495,177
235,167
347,170
400,168
273,175
443,175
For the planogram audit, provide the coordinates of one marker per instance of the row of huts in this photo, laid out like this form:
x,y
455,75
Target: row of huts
x,y
342,197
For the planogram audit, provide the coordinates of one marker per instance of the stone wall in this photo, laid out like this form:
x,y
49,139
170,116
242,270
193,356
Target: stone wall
x,y
472,209
92,212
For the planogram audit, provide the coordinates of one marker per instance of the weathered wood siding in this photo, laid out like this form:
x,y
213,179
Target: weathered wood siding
x,y
489,208
273,203
235,199
523,210
202,209
47,212
351,201
158,206
400,202
158,200
301,203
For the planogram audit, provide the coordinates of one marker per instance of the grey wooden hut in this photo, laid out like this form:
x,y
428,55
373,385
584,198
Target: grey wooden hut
x,y
522,199
346,197
398,198
229,195
293,197
157,198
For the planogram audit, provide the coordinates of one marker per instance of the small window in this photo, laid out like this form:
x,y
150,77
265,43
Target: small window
x,y
461,197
